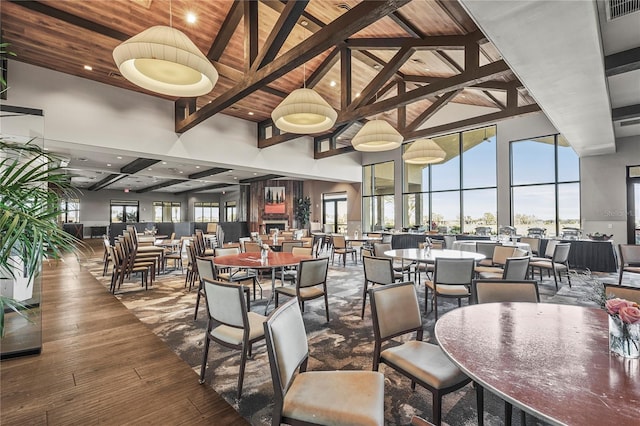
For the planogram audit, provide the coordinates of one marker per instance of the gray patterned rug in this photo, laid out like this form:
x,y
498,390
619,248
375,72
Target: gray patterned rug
x,y
346,342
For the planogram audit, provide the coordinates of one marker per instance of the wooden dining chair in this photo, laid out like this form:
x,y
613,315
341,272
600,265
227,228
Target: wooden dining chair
x,y
304,397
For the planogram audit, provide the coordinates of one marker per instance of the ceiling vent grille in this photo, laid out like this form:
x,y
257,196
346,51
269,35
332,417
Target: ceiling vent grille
x,y
619,8
631,122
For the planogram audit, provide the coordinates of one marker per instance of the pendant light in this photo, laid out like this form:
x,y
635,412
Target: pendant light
x,y
376,135
424,151
304,111
164,60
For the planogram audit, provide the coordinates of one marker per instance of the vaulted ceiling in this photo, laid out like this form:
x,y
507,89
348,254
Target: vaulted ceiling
x,y
400,59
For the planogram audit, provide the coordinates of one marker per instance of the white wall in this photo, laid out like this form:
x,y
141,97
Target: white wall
x,y
85,112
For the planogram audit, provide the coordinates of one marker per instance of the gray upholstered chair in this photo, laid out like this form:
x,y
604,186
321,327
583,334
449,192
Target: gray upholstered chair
x,y
490,291
486,248
451,279
632,294
423,363
629,259
237,274
548,251
516,268
311,283
287,246
316,397
380,248
377,271
498,258
207,269
291,274
558,264
230,324
534,243
341,248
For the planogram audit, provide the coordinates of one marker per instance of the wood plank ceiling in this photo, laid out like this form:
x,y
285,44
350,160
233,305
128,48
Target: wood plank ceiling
x,y
402,60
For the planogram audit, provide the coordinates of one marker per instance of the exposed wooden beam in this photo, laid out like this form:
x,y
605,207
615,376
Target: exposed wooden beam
x,y
402,111
260,178
333,151
138,164
420,79
455,42
406,25
345,78
621,62
362,15
433,108
277,139
471,122
226,31
250,32
323,68
160,185
382,77
459,81
106,181
502,86
625,113
279,33
209,172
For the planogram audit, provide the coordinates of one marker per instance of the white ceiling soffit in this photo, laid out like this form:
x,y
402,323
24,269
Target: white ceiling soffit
x,y
554,49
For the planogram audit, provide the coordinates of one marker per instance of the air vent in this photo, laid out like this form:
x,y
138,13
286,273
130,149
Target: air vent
x,y
632,122
115,75
619,8
343,6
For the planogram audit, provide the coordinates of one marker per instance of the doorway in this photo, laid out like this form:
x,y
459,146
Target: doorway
x,y
334,212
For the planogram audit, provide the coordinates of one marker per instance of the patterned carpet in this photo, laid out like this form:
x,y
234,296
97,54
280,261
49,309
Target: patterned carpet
x,y
346,342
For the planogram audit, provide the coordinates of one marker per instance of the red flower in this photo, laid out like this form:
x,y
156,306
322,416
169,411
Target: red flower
x,y
613,305
630,314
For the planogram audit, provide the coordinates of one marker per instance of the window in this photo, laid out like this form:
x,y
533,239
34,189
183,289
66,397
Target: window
x,y
124,211
206,212
70,211
378,187
334,208
230,211
545,185
166,211
459,193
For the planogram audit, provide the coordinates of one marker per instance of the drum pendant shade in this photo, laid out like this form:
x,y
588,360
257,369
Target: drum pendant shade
x,y
424,151
163,60
376,135
304,111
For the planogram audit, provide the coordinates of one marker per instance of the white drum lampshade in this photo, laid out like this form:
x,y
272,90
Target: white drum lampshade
x,y
163,60
424,151
376,135
304,111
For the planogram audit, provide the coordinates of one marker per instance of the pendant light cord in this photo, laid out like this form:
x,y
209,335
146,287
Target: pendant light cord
x,y
170,15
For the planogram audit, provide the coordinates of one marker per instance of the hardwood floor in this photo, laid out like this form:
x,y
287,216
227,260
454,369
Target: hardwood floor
x,y
100,364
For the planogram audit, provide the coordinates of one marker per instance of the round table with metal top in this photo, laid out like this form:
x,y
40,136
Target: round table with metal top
x,y
429,256
552,361
273,261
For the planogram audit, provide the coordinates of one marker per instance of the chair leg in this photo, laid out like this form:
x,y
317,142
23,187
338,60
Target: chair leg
x,y
437,408
434,304
195,315
203,368
326,305
364,299
276,297
508,412
479,402
620,278
243,362
555,278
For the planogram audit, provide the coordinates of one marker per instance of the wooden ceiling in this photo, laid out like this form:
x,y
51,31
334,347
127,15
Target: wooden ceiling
x,y
399,59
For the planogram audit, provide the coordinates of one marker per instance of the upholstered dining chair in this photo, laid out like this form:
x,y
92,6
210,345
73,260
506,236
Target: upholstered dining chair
x,y
237,274
230,324
451,279
534,243
492,290
632,294
341,248
516,268
291,274
377,271
558,264
207,269
316,397
498,258
486,248
287,246
311,283
423,363
629,259
380,248
548,251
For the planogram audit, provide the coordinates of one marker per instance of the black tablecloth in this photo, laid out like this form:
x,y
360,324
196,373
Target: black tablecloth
x,y
588,254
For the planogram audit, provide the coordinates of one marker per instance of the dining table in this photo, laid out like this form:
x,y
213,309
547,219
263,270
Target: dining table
x,y
272,262
430,255
471,245
550,360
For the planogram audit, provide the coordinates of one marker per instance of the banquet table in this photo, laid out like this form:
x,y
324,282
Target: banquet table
x,y
274,261
470,245
550,360
589,254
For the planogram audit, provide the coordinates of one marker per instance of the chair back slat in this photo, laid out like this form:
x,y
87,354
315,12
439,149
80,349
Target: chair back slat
x,y
453,271
312,272
378,270
494,291
395,309
225,303
561,252
516,268
227,251
205,268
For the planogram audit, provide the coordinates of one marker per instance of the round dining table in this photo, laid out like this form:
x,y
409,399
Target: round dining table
x,y
429,256
470,245
274,261
550,360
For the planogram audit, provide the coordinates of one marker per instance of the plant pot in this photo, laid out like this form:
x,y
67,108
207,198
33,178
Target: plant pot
x,y
19,287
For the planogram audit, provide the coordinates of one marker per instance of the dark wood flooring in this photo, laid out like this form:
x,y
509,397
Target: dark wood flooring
x,y
100,364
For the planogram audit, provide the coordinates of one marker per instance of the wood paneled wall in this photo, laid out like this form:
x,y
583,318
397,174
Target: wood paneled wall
x,y
293,191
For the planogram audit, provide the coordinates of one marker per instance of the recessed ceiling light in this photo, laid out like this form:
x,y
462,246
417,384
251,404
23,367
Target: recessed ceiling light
x,y
119,157
197,167
235,177
255,174
149,169
108,164
164,162
427,69
304,23
376,66
88,67
250,113
181,172
191,17
358,95
339,137
332,84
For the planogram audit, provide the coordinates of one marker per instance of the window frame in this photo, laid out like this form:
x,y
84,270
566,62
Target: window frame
x,y
378,197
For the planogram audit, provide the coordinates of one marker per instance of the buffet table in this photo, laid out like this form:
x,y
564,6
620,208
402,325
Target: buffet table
x,y
589,254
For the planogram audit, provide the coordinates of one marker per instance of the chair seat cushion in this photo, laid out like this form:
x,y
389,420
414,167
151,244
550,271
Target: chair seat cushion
x,y
635,269
234,335
343,251
540,259
486,262
424,361
546,264
305,292
490,275
336,398
449,290
236,276
488,269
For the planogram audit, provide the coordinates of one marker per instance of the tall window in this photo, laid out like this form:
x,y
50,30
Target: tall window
x,y
230,211
459,193
125,211
633,199
166,211
70,211
334,208
206,212
545,185
377,196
